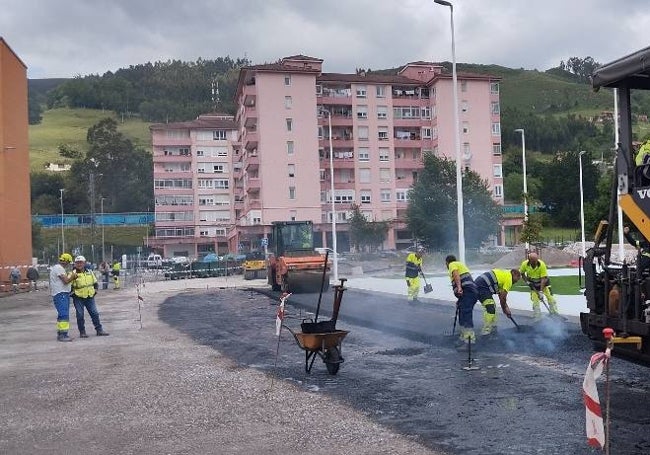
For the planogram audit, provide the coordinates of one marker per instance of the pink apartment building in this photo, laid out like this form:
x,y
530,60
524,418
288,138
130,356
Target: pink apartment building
x,y
273,159
193,177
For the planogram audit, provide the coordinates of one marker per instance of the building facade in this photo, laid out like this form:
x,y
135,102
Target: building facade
x,y
193,177
281,167
15,221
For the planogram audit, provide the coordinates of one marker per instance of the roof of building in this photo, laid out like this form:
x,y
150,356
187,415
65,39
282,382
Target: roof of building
x,y
205,121
367,77
303,57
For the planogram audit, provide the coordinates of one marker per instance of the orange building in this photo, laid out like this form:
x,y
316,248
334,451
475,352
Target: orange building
x,y
15,218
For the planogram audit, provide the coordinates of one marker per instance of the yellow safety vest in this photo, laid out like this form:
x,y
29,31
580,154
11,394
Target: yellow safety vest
x,y
84,285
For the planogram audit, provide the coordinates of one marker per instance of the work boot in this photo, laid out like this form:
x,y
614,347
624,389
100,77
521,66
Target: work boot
x,y
467,335
101,333
63,337
82,334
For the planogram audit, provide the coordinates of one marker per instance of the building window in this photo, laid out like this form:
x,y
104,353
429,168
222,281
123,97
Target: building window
x,y
496,149
364,175
365,196
498,191
467,151
290,148
385,195
287,80
401,195
384,175
380,91
465,127
362,132
292,170
292,192
199,153
494,88
218,168
427,133
425,112
495,107
383,153
364,154
382,133
288,102
496,129
289,124
382,112
319,90
497,170
464,106
361,91
219,135
362,112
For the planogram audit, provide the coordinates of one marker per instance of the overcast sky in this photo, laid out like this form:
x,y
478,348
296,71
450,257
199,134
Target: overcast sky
x,y
64,38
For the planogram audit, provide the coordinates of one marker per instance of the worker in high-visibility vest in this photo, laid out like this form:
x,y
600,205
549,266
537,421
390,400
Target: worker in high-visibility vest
x,y
466,292
533,271
413,271
115,271
84,288
643,155
60,287
496,281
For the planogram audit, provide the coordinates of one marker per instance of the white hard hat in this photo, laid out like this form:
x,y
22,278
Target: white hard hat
x,y
80,259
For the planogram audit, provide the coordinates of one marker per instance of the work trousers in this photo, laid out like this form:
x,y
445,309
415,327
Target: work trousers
x,y
466,306
413,285
89,304
62,305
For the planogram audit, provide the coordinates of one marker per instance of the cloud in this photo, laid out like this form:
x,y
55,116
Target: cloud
x,y
69,37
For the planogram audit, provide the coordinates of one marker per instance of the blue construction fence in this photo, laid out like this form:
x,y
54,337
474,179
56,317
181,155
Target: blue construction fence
x,y
106,219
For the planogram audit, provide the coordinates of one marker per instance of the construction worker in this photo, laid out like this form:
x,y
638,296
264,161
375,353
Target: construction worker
x,y
643,259
496,281
84,288
413,271
60,287
466,292
115,271
643,155
533,271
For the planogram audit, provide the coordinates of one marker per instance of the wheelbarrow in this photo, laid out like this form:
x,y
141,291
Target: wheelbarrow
x,y
322,339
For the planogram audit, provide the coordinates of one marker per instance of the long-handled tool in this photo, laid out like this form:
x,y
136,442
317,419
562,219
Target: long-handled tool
x,y
542,298
427,287
453,331
520,328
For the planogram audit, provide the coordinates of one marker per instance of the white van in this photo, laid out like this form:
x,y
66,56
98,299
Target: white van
x,y
154,261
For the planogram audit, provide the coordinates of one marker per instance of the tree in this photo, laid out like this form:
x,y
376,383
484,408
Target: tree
x,y
366,234
532,228
432,210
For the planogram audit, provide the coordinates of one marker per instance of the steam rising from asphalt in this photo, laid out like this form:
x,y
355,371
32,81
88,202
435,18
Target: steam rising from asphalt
x,y
544,337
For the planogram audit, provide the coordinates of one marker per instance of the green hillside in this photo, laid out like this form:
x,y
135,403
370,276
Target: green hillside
x,y
70,126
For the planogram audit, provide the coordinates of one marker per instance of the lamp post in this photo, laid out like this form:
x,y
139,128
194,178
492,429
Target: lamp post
x,y
523,155
459,175
62,232
582,206
101,203
335,261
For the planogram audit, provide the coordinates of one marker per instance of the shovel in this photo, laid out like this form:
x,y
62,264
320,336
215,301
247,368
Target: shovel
x,y
427,287
520,328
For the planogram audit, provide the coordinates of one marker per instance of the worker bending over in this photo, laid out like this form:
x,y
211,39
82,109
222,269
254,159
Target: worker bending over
x,y
496,281
533,271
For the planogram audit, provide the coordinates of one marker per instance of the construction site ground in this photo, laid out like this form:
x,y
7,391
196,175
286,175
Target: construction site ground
x,y
196,367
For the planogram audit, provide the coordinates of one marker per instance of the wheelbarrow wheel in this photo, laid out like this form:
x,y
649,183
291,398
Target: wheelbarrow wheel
x,y
333,360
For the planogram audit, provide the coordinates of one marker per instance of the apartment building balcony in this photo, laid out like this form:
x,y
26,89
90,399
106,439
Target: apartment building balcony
x,y
334,95
411,122
253,204
250,99
404,180
250,140
239,202
253,185
250,121
164,141
252,162
407,163
161,157
410,93
170,173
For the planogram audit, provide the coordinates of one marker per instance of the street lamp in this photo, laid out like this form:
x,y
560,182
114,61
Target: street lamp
x,y
62,232
459,175
101,203
582,206
523,154
335,261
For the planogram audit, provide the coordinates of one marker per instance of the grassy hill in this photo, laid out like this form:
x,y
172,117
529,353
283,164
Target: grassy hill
x,y
70,126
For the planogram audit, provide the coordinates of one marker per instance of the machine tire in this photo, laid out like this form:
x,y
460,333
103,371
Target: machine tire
x,y
333,360
249,275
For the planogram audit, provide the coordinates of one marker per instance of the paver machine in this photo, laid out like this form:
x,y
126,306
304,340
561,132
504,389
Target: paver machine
x,y
618,293
293,264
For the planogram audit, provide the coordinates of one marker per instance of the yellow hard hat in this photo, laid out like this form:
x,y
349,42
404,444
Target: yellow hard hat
x,y
65,257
